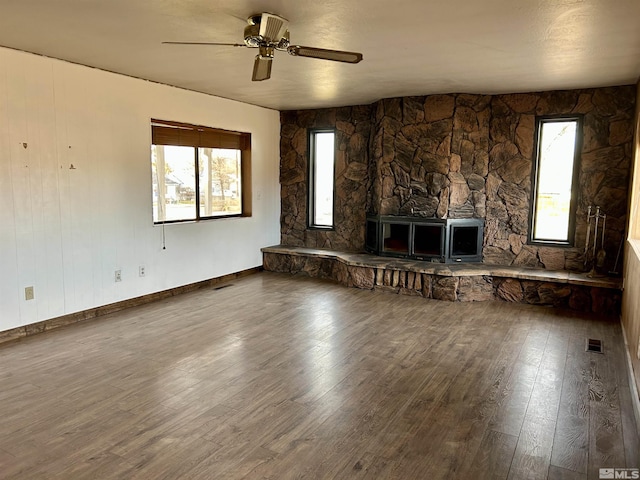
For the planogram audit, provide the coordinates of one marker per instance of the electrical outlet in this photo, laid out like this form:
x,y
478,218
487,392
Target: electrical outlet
x,y
141,270
118,276
28,293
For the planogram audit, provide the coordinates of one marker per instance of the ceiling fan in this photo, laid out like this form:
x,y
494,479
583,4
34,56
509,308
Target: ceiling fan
x,y
268,32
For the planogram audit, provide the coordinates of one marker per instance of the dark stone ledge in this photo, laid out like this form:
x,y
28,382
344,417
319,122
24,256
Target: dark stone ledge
x,y
449,270
451,282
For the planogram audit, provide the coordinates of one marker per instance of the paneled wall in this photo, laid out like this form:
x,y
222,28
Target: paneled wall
x,y
75,189
631,293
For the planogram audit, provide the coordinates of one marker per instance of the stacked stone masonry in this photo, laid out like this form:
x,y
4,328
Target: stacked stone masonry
x,y
461,156
352,126
449,283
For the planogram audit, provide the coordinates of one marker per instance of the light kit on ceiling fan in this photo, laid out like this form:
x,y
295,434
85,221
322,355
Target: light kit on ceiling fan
x,y
269,32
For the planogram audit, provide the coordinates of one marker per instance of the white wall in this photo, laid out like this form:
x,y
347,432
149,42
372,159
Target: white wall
x,y
65,231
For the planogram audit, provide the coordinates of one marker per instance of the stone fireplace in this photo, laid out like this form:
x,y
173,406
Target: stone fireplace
x,y
431,239
456,157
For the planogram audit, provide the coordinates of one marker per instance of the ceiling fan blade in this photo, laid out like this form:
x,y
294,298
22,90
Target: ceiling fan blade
x,y
262,68
324,54
206,43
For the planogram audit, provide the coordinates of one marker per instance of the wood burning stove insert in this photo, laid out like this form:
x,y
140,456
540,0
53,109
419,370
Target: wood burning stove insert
x,y
431,239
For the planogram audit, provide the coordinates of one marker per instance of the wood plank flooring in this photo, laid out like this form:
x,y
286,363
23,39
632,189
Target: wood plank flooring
x,y
280,377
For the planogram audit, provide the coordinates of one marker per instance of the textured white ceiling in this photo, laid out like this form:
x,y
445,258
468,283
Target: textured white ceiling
x,y
410,47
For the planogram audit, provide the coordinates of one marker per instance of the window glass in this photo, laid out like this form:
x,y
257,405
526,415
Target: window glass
x,y
322,172
199,172
220,186
553,198
174,183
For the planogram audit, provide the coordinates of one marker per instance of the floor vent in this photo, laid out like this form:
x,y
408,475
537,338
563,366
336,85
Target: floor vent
x,y
594,345
223,286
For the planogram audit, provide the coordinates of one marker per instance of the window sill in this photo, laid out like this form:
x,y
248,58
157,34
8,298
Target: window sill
x,y
539,243
325,229
200,220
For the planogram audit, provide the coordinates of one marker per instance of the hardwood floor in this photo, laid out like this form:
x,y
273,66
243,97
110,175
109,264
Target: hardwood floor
x,y
280,377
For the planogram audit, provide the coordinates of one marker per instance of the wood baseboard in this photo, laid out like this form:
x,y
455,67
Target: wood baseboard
x,y
52,323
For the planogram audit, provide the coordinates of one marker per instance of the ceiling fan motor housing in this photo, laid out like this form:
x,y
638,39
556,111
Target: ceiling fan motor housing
x,y
267,30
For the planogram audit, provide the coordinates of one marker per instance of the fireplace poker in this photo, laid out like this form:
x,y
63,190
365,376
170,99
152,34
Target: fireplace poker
x,y
595,233
600,257
586,243
597,255
615,265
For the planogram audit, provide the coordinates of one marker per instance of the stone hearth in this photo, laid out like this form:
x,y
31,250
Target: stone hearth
x,y
458,282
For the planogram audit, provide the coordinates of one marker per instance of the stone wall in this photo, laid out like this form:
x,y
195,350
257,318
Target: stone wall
x,y
603,180
352,126
461,156
431,156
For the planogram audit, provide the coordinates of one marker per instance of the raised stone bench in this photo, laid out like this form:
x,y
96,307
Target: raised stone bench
x,y
452,282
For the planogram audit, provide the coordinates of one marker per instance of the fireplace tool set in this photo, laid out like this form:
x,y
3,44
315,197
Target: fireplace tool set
x,y
592,254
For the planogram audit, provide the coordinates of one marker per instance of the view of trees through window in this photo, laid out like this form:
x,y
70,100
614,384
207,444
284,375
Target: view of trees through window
x,y
554,181
219,171
184,177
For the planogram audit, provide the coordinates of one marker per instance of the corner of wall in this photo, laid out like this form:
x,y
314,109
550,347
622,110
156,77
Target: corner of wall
x,y
631,294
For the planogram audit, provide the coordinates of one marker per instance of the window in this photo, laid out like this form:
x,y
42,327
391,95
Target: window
x,y
321,173
554,180
199,172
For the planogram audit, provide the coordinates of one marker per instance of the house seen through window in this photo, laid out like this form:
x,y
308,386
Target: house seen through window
x,y
555,180
198,172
